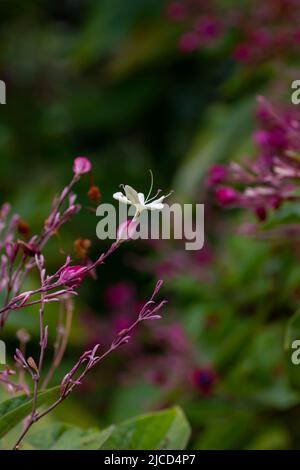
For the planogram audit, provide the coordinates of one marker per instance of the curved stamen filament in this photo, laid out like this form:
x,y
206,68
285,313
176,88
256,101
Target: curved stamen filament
x,y
151,185
153,197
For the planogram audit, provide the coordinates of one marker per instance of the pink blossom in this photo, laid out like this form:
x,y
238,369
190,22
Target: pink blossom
x,y
261,137
217,174
227,195
12,250
277,138
72,275
82,165
260,32
209,28
261,213
269,180
189,42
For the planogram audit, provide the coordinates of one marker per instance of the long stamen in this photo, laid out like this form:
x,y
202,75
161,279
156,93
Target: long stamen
x,y
151,186
167,195
154,197
171,192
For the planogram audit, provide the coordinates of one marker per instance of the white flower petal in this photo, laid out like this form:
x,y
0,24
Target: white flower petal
x,y
155,206
120,197
141,198
159,200
131,194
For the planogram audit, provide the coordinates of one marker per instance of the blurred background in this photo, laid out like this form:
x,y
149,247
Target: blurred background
x,y
172,87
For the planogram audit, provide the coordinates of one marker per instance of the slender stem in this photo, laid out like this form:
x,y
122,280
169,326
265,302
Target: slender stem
x,y
61,342
37,375
22,435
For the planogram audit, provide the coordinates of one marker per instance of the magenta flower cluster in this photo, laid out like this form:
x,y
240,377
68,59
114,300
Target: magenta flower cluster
x,y
256,30
264,183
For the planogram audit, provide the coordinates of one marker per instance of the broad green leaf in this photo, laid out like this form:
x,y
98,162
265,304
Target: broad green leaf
x,y
65,437
234,345
14,410
279,396
166,429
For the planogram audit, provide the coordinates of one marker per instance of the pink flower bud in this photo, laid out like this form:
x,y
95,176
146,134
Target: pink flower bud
x,y
217,174
127,230
30,249
262,138
208,28
227,195
261,213
81,165
275,202
12,250
72,275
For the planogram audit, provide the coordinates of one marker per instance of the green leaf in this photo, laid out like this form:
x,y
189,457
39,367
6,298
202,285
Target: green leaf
x,y
279,396
14,410
273,438
289,213
65,437
166,429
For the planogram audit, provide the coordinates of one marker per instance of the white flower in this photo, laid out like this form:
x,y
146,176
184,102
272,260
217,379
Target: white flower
x,y
139,201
